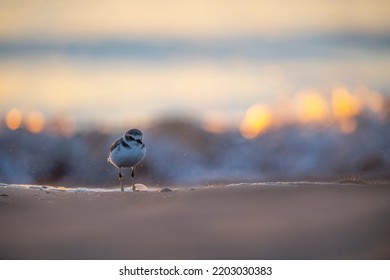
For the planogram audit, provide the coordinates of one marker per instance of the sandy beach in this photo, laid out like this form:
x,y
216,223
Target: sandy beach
x,y
243,221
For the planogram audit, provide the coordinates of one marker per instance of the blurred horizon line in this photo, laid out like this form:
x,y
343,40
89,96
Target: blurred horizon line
x,y
246,46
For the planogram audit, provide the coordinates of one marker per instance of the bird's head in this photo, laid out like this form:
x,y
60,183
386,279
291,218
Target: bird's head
x,y
133,135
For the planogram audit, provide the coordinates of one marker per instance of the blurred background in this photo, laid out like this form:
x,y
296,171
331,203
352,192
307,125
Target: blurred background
x,y
224,91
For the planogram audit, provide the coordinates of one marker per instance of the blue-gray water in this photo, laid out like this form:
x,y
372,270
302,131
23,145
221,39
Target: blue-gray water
x,y
307,47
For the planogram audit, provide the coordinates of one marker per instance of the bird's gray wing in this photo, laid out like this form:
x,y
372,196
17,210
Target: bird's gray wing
x,y
115,144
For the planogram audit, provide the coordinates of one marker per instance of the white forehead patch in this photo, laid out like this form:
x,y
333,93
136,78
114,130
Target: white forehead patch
x,y
135,133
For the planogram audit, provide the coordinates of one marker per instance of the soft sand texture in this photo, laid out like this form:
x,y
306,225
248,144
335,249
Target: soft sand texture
x,y
263,221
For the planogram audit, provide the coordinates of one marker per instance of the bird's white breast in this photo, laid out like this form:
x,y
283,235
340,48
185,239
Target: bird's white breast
x,y
125,158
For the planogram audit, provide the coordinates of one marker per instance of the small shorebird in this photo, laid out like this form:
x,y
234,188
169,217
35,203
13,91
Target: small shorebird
x,y
127,152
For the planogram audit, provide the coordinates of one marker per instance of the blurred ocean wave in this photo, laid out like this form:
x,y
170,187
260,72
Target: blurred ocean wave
x,y
181,153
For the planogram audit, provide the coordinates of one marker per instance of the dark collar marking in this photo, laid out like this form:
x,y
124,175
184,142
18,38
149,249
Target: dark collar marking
x,y
124,144
119,142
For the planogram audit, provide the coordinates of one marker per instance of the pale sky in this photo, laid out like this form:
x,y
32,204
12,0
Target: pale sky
x,y
84,19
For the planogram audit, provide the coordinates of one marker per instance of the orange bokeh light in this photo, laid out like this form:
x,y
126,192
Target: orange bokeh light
x,y
13,119
344,104
35,122
214,124
257,120
312,107
375,102
345,107
348,126
65,125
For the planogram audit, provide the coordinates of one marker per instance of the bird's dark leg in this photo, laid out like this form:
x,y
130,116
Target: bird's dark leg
x,y
132,178
120,180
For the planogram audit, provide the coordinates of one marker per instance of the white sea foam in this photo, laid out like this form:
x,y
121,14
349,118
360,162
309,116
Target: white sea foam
x,y
139,187
183,154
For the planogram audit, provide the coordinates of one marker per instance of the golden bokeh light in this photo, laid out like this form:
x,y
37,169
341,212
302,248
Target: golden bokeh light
x,y
311,107
214,123
347,126
344,104
258,119
35,122
214,127
13,119
65,126
375,102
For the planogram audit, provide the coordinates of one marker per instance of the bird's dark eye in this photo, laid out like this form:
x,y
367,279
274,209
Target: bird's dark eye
x,y
131,138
